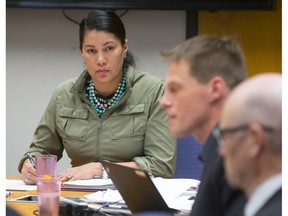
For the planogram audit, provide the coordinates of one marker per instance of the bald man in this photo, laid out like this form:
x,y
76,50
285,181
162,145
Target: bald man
x,y
250,137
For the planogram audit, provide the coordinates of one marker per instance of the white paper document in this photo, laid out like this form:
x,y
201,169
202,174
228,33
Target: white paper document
x,y
177,193
107,196
19,185
90,182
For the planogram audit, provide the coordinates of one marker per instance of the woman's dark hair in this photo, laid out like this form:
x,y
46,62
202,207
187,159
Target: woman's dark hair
x,y
107,21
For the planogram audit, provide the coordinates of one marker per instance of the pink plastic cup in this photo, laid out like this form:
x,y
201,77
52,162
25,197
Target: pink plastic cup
x,y
48,196
46,166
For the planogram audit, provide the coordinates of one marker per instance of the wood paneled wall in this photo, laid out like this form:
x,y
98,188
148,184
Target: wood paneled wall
x,y
258,32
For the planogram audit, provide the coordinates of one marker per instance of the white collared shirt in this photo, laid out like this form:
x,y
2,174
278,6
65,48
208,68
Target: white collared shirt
x,y
262,193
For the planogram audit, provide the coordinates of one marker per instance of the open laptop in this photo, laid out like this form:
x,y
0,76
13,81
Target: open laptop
x,y
137,189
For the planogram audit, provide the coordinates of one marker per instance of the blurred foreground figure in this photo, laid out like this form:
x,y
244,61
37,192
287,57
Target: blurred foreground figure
x,y
250,137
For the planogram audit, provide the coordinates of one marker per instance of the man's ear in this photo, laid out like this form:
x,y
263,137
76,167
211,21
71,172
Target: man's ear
x,y
218,89
257,140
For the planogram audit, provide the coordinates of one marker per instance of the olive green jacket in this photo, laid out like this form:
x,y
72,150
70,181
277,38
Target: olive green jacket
x,y
134,129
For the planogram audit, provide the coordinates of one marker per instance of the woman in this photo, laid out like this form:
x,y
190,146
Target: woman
x,y
110,112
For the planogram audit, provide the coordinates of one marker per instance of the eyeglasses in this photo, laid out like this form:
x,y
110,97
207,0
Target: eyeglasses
x,y
219,133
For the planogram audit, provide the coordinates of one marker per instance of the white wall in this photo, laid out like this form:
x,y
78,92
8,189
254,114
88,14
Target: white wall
x,y
42,51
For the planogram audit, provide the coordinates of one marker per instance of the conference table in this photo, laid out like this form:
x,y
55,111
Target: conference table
x,y
29,208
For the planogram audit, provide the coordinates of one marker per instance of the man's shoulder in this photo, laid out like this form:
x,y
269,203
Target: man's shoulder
x,y
214,190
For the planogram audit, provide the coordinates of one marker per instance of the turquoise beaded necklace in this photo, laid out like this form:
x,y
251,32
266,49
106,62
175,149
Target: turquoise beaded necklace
x,y
101,104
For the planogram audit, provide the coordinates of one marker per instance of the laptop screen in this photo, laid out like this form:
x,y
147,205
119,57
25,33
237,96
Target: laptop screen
x,y
136,188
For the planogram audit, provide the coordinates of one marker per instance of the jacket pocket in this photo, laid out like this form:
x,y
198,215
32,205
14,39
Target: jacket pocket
x,y
130,122
72,123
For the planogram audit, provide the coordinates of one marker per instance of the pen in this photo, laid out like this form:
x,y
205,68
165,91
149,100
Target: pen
x,y
31,160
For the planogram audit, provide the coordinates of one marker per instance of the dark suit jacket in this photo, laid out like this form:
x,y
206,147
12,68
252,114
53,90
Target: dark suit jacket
x,y
273,207
215,197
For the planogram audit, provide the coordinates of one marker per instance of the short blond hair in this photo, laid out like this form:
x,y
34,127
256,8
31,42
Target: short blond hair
x,y
211,56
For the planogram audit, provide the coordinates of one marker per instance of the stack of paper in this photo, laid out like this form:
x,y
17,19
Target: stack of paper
x,y
108,196
18,185
88,185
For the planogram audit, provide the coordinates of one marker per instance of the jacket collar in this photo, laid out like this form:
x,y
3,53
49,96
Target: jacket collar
x,y
79,85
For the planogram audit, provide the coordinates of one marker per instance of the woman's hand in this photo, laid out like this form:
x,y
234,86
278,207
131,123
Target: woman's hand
x,y
28,173
86,171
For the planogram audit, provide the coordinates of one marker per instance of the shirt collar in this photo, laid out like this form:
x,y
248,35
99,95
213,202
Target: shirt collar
x,y
262,194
